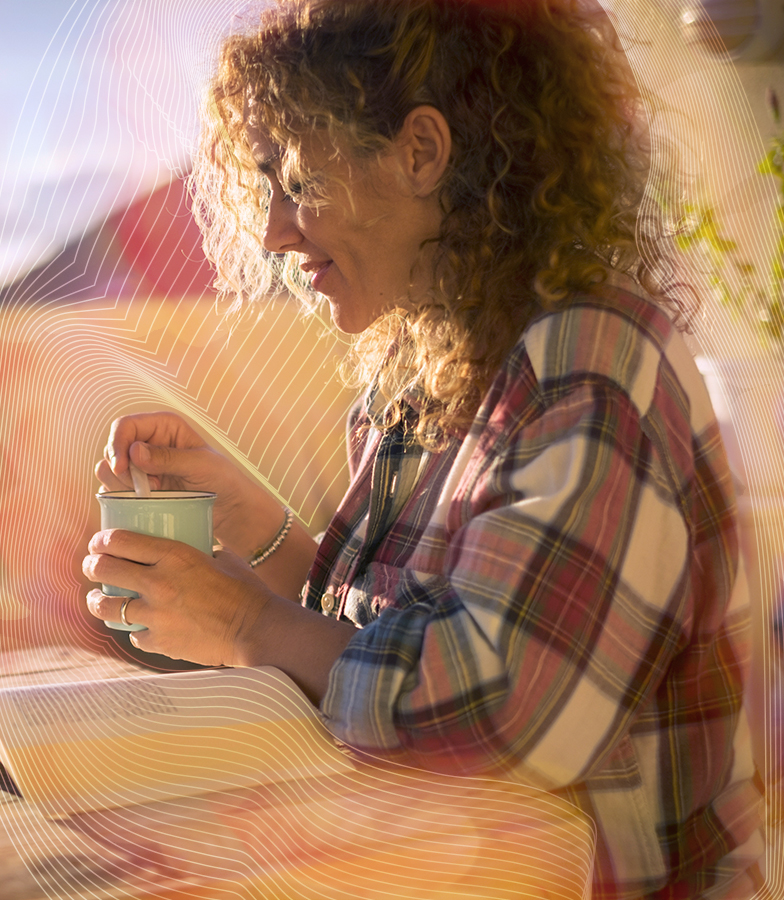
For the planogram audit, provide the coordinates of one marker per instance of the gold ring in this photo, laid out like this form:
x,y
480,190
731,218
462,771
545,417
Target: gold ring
x,y
122,611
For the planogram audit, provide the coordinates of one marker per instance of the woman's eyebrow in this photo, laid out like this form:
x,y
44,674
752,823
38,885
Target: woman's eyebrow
x,y
266,165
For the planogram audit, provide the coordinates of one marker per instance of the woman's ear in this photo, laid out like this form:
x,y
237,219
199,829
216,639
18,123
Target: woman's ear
x,y
424,144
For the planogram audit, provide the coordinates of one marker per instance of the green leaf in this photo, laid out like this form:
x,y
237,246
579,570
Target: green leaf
x,y
768,165
722,245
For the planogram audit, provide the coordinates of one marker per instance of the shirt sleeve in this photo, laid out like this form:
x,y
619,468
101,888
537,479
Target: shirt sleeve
x,y
539,612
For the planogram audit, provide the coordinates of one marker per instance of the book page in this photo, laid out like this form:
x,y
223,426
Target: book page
x,y
101,744
61,664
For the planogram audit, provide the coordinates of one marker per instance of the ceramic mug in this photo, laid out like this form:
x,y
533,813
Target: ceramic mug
x,y
178,515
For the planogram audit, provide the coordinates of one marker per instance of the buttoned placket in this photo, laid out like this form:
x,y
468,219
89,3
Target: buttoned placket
x,y
382,508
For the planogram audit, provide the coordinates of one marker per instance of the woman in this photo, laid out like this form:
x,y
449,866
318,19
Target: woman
x,y
534,573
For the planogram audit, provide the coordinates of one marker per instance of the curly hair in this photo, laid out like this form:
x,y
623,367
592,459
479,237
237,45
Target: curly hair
x,y
541,197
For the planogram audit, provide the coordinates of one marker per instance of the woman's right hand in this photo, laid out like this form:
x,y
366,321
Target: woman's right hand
x,y
245,516
177,458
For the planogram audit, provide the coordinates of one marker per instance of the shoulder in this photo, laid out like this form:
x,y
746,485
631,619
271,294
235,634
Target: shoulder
x,y
619,336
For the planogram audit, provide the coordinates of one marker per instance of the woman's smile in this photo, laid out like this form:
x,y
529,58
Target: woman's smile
x,y
318,270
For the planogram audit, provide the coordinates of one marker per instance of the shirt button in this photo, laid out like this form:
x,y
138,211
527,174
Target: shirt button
x,y
328,602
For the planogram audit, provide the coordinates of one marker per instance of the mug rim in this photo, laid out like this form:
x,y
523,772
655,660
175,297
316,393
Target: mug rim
x,y
156,495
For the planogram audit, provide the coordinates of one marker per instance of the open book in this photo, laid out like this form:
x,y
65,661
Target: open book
x,y
213,785
92,745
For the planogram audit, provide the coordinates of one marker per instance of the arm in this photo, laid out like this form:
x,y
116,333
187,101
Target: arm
x,y
557,607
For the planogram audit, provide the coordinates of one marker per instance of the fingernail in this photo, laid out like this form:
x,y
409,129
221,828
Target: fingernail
x,y
92,601
112,460
143,453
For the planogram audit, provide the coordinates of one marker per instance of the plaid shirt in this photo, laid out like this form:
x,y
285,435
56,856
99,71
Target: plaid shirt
x,y
556,598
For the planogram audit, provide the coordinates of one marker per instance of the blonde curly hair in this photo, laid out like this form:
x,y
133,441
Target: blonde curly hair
x,y
541,197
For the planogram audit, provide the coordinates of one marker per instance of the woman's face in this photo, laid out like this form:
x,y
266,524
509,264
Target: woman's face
x,y
361,249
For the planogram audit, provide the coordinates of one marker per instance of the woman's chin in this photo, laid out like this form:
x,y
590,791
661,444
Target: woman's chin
x,y
355,319
347,320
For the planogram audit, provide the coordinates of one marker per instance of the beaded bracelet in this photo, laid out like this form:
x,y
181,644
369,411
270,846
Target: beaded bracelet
x,y
264,553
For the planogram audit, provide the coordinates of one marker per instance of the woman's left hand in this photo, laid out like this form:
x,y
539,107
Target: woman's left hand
x,y
194,606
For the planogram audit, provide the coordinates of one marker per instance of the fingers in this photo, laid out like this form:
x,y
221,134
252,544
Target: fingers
x,y
159,429
110,609
127,560
105,569
112,482
191,604
115,612
186,464
143,640
130,545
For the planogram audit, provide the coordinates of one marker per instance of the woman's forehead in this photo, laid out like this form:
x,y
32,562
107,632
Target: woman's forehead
x,y
264,152
315,146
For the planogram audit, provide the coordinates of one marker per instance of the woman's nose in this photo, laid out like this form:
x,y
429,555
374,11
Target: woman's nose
x,y
281,233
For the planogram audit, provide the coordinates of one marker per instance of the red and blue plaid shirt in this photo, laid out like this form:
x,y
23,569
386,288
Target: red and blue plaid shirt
x,y
556,598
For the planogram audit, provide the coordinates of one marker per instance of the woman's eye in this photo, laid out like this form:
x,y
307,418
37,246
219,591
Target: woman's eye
x,y
293,192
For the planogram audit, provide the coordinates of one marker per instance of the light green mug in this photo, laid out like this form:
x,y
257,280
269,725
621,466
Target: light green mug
x,y
178,515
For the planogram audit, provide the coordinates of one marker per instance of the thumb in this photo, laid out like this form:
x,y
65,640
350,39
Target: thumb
x,y
158,460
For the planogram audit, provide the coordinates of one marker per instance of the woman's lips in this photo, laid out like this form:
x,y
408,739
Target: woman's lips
x,y
320,274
